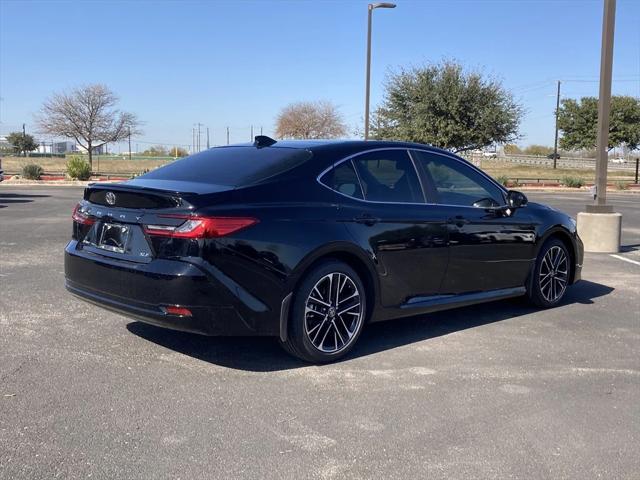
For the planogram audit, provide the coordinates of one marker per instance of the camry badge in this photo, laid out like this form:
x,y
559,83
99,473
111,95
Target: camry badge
x,y
110,197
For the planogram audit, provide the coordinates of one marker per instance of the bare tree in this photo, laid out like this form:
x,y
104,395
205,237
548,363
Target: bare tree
x,y
88,115
310,120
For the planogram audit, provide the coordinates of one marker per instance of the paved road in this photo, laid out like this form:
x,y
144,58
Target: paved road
x,y
493,391
572,203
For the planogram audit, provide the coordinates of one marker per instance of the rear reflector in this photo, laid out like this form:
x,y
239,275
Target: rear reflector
x,y
80,217
175,310
200,227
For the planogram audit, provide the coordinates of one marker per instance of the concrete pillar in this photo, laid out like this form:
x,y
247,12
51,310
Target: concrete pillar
x,y
600,232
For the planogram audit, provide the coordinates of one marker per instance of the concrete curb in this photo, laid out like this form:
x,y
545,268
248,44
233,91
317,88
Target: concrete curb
x,y
53,183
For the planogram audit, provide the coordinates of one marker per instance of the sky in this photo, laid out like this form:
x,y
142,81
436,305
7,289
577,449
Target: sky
x,y
237,63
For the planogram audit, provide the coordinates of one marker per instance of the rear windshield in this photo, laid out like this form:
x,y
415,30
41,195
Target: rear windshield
x,y
233,166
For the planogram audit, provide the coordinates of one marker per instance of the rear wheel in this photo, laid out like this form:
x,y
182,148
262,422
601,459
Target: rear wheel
x,y
327,314
550,274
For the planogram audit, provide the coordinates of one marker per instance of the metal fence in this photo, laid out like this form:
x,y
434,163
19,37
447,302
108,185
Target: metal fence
x,y
562,162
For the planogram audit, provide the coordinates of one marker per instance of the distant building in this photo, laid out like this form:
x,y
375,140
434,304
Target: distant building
x,y
64,147
99,150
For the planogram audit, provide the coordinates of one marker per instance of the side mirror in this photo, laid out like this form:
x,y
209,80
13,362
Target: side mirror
x,y
516,199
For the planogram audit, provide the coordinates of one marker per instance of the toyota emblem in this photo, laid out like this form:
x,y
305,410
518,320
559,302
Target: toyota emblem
x,y
110,197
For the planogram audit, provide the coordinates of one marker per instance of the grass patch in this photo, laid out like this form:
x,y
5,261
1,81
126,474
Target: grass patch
x,y
111,165
498,169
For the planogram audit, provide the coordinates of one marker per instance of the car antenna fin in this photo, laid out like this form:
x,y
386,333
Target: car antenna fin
x,y
263,141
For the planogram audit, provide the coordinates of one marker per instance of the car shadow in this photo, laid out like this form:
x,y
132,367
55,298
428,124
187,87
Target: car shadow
x,y
263,354
7,198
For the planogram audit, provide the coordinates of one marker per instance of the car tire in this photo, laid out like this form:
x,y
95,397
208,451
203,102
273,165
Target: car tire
x,y
327,314
550,275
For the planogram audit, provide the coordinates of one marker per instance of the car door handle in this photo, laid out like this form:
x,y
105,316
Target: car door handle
x,y
366,219
458,220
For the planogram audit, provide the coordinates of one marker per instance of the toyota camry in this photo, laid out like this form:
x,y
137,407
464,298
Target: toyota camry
x,y
310,241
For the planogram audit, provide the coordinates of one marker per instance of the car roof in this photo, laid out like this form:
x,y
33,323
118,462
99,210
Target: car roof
x,y
347,147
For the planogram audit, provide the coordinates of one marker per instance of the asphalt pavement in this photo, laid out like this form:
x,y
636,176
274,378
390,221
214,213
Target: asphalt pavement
x,y
494,391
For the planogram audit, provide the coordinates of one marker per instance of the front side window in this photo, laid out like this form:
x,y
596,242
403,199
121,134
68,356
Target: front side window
x,y
388,176
457,183
343,179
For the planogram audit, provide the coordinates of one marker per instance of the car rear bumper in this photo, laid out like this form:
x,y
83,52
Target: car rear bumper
x,y
144,290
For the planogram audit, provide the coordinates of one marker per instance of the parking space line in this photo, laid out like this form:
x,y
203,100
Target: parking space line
x,y
626,259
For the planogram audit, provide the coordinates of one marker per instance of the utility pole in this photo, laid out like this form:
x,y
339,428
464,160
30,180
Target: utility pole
x,y
555,143
129,143
251,137
227,135
260,130
208,145
24,140
193,140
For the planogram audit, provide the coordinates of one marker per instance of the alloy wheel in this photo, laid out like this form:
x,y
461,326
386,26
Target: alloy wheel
x,y
333,313
554,274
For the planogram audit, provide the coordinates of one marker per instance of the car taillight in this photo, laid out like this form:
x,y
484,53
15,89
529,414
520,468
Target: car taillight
x,y
201,227
80,217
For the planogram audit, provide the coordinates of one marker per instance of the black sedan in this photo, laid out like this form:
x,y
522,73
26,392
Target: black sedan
x,y
309,241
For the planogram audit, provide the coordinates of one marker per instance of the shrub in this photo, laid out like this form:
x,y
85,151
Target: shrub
x,y
178,152
621,185
78,168
157,151
503,180
32,171
573,182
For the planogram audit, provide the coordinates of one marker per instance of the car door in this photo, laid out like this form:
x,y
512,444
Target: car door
x,y
383,206
490,247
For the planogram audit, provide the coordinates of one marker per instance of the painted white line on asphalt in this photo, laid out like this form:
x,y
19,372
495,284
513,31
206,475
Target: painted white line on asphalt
x,y
626,259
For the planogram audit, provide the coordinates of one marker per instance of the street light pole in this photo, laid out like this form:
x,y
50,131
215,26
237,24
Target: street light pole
x,y
599,227
370,8
555,143
604,105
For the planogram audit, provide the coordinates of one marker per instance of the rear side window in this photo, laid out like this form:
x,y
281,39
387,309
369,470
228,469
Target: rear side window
x,y
389,176
343,179
232,166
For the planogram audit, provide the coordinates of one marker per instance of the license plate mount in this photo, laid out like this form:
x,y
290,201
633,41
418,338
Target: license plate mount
x,y
114,237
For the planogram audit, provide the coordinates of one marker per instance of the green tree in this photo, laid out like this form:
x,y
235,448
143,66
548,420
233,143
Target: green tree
x,y
446,106
578,122
21,143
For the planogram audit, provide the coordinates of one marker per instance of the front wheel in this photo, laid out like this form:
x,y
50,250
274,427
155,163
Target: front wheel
x,y
328,313
551,274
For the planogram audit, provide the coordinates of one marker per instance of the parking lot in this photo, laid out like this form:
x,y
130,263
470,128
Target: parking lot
x,y
492,391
